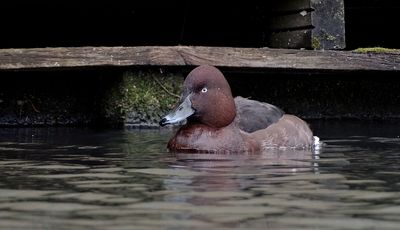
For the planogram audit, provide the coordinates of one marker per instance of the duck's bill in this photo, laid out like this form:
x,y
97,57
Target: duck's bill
x,y
183,111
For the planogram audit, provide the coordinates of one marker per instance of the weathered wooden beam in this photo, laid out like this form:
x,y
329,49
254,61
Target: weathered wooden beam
x,y
287,59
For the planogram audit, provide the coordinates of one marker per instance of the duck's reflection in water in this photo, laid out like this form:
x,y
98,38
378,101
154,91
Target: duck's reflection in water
x,y
219,179
278,160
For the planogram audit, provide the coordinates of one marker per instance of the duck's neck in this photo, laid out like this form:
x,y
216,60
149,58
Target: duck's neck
x,y
197,137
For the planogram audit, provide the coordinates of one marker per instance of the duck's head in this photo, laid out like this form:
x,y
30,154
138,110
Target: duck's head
x,y
206,98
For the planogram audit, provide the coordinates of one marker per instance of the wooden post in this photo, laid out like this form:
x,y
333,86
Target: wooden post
x,y
310,24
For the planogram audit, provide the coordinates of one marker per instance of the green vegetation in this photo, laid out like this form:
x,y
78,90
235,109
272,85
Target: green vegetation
x,y
377,50
142,97
315,43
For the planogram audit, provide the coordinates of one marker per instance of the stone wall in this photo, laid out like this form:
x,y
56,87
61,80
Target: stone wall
x,y
139,97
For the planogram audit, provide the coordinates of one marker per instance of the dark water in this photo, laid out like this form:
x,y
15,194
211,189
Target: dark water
x,y
67,178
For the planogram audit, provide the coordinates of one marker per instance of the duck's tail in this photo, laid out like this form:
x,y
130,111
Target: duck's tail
x,y
317,144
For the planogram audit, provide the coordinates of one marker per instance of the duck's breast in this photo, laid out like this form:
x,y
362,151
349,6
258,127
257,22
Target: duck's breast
x,y
200,138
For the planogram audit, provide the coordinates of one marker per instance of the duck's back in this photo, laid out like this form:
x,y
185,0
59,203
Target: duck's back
x,y
254,115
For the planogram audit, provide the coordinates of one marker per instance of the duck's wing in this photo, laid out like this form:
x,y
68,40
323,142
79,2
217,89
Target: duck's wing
x,y
254,115
289,132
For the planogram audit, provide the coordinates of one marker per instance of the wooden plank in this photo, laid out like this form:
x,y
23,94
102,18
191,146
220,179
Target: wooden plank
x,y
297,20
290,5
265,58
325,18
291,39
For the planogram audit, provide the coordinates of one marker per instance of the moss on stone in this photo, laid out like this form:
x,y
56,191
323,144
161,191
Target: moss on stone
x,y
315,43
377,50
330,37
141,98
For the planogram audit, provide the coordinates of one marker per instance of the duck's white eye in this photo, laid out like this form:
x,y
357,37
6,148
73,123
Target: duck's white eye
x,y
204,90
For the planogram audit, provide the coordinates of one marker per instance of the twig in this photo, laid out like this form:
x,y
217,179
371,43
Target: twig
x,y
165,89
33,107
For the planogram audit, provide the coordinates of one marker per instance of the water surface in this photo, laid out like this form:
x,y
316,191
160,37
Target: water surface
x,y
70,178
